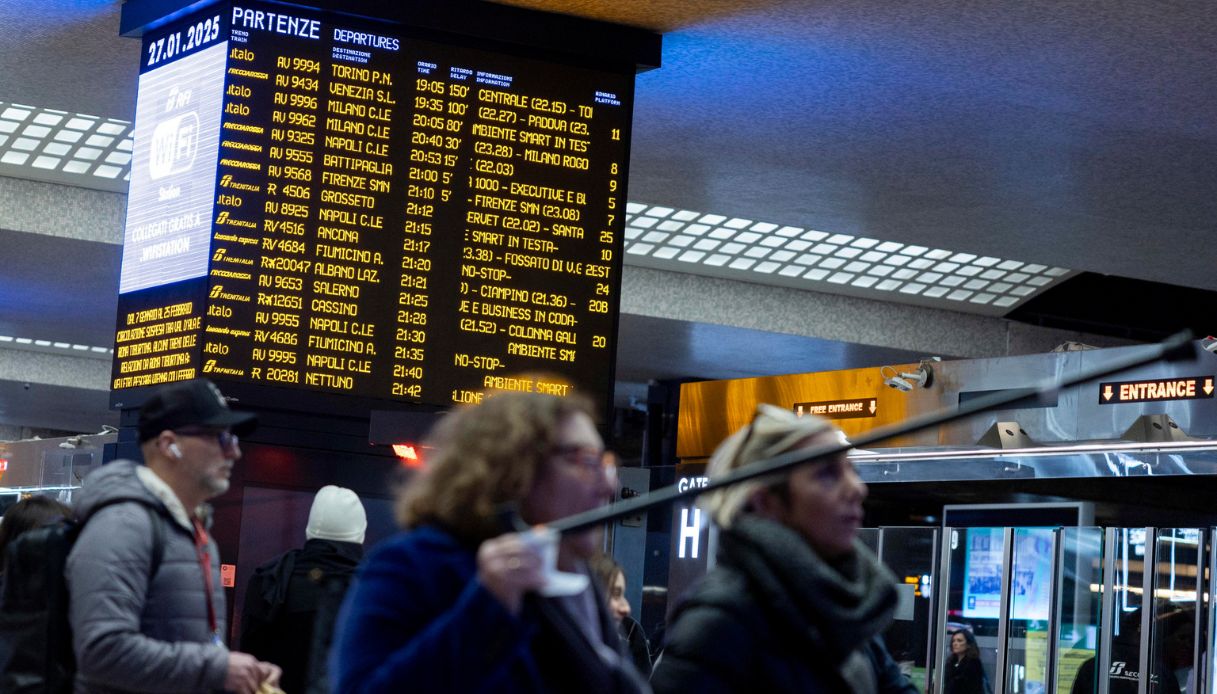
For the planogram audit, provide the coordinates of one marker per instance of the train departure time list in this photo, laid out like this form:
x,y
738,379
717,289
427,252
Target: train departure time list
x,y
351,207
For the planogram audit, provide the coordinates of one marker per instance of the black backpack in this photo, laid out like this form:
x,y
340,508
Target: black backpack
x,y
35,636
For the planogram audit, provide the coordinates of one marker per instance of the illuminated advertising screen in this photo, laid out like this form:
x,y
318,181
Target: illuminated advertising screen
x,y
351,206
1030,590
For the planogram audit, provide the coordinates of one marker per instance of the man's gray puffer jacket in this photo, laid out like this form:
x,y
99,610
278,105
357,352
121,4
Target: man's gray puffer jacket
x,y
132,634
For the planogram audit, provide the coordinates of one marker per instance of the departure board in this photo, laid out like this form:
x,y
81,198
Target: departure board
x,y
352,206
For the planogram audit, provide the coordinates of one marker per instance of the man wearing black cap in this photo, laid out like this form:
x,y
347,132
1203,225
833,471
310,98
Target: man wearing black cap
x,y
147,608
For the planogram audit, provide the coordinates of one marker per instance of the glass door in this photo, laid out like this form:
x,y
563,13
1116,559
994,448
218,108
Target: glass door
x,y
1032,561
1178,571
973,564
910,553
1077,610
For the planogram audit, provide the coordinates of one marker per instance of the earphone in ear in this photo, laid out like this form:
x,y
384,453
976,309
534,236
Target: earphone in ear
x,y
177,452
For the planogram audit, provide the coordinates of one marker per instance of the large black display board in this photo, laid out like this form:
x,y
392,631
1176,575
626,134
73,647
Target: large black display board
x,y
350,206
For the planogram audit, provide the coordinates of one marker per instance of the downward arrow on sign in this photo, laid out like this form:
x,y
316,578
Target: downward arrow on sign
x,y
1208,386
1107,393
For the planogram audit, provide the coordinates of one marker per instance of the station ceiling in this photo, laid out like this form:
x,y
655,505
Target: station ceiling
x,y
1061,135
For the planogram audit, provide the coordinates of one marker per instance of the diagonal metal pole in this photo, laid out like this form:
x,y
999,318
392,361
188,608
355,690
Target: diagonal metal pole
x,y
1178,347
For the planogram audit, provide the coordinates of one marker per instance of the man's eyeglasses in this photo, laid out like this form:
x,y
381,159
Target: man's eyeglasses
x,y
226,439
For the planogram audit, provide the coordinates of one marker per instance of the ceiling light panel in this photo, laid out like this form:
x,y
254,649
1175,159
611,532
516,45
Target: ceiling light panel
x,y
55,347
69,148
768,253
95,152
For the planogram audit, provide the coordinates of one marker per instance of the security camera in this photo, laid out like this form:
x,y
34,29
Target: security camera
x,y
899,383
906,381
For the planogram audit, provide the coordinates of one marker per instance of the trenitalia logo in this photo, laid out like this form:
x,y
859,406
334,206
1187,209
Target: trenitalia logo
x,y
227,181
1118,671
217,292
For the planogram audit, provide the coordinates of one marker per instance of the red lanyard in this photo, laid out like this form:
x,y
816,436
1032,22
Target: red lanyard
x,y
202,547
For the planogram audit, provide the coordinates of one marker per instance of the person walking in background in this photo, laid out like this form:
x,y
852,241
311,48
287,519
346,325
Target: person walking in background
x,y
149,617
27,514
291,602
795,602
612,580
964,673
457,602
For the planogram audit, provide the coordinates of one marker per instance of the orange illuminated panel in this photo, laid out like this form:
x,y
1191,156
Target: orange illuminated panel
x,y
839,409
157,343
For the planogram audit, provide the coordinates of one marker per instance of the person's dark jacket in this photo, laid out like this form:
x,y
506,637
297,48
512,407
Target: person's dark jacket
x,y
965,676
772,616
290,606
417,619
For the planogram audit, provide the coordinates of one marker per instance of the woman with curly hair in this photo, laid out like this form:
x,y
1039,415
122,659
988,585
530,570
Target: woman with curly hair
x,y
456,602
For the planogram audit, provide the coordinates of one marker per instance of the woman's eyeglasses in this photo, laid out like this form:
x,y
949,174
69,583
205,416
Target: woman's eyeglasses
x,y
586,459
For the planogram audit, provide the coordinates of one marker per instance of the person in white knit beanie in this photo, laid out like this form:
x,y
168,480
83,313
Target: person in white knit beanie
x,y
291,602
337,514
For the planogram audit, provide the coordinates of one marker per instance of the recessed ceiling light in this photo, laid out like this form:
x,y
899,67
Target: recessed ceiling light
x,y
887,285
797,255
16,113
47,137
